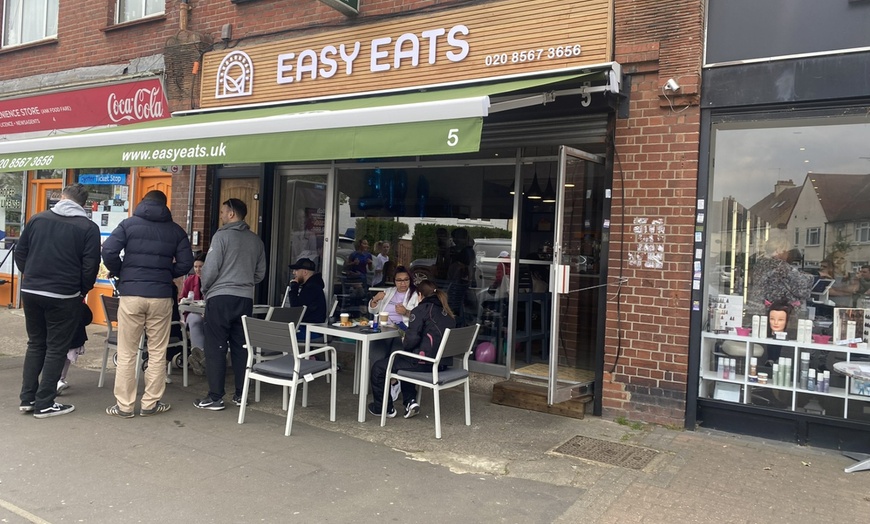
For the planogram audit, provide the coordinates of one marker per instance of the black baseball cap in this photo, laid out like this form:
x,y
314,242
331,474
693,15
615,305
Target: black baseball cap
x,y
304,263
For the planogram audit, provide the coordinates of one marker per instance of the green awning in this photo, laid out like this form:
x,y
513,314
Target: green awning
x,y
421,123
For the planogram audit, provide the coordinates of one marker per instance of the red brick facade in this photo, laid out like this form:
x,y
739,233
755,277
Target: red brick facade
x,y
655,168
655,175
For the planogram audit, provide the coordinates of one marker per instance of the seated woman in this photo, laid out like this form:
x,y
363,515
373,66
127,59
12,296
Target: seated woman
x,y
428,321
195,322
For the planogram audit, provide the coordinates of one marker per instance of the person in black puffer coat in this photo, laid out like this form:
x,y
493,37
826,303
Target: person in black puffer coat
x,y
429,320
156,251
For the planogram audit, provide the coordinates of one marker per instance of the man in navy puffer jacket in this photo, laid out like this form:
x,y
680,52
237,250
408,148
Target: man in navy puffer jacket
x,y
156,251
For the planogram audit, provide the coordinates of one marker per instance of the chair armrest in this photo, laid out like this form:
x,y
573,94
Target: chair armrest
x,y
323,349
407,354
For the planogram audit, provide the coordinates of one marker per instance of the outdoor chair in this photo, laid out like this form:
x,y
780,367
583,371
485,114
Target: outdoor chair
x,y
286,315
110,310
457,342
286,371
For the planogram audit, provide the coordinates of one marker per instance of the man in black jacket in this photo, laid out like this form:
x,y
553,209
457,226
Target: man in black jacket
x,y
58,255
306,289
156,251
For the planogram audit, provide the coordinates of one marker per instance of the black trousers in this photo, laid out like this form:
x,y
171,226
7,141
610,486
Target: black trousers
x,y
379,374
224,331
51,325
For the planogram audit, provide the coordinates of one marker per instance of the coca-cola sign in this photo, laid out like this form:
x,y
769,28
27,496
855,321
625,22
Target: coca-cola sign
x,y
145,104
115,104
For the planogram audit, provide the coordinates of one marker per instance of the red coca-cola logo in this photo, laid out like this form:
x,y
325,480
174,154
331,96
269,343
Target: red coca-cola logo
x,y
145,104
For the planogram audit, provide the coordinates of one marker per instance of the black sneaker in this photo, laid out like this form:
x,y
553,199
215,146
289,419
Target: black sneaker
x,y
26,407
412,409
208,403
377,413
237,400
53,411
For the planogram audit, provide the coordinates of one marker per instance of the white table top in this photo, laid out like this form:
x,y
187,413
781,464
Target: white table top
x,y
853,369
198,306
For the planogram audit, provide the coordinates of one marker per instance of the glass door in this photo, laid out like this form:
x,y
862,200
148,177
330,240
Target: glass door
x,y
556,311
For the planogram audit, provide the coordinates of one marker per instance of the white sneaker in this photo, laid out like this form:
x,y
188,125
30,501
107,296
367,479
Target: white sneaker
x,y
395,389
61,385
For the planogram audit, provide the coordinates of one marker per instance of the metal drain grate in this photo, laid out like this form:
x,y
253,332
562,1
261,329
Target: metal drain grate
x,y
606,452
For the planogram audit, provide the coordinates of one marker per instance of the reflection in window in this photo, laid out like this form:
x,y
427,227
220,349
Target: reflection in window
x,y
129,10
28,21
446,224
11,185
774,184
49,173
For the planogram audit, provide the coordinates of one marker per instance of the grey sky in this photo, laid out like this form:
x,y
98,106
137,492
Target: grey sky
x,y
748,162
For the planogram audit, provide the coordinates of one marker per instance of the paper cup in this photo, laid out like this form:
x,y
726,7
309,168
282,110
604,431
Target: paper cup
x,y
384,317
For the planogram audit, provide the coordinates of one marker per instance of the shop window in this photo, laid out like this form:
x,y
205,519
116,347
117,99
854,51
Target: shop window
x,y
774,182
445,224
862,232
108,200
813,236
49,173
11,217
132,10
28,21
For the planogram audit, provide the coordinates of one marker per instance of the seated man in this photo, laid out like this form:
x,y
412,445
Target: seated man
x,y
306,289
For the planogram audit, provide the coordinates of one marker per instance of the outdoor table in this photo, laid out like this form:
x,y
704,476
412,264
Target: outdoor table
x,y
860,371
364,337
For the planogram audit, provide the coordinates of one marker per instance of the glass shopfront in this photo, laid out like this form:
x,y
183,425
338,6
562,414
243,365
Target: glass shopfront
x,y
786,283
462,223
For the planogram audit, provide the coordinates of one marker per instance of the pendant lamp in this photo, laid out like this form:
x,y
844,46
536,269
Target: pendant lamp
x,y
534,192
549,193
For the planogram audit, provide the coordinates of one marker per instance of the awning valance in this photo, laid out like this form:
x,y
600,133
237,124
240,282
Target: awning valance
x,y
420,123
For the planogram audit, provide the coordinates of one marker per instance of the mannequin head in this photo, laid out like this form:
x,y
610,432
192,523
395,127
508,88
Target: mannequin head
x,y
777,316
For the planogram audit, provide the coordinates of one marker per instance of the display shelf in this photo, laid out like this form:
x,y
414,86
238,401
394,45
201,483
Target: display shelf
x,y
790,397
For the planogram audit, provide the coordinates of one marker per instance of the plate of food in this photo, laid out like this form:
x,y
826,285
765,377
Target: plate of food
x,y
348,325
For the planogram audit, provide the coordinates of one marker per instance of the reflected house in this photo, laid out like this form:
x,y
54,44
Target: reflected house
x,y
832,208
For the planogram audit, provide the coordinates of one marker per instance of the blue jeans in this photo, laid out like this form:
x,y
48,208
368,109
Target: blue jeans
x,y
51,325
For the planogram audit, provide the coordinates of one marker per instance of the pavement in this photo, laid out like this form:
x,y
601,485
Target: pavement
x,y
202,466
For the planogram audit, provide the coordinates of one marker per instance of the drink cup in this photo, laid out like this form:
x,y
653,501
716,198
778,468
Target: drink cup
x,y
384,318
345,318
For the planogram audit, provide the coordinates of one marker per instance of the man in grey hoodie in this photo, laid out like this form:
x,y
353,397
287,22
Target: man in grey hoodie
x,y
236,262
58,255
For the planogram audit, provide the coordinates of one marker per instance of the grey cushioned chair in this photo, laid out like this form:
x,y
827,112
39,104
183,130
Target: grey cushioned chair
x,y
277,314
457,342
288,370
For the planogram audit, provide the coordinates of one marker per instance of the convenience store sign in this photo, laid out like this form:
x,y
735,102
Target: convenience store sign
x,y
482,42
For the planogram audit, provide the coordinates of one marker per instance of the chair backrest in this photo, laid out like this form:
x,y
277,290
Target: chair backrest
x,y
457,341
286,314
110,309
332,309
268,335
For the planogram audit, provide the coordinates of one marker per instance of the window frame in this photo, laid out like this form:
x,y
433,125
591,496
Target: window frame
x,y
119,10
817,233
47,10
862,228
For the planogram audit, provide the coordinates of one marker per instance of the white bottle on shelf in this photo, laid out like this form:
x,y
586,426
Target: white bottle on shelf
x,y
762,327
756,322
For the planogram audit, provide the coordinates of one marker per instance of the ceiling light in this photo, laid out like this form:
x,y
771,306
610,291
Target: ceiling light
x,y
534,192
549,193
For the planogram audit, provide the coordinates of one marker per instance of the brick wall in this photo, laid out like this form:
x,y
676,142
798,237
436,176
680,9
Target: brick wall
x,y
657,154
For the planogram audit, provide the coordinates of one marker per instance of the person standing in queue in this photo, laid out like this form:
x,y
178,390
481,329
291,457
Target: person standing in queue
x,y
156,252
58,256
235,264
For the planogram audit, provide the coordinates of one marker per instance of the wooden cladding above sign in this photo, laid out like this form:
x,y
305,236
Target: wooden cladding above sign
x,y
486,41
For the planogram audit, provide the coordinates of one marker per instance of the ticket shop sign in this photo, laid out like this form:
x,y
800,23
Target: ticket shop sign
x,y
492,40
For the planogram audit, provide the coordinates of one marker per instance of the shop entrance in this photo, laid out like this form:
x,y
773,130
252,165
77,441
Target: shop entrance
x,y
150,179
558,271
45,193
